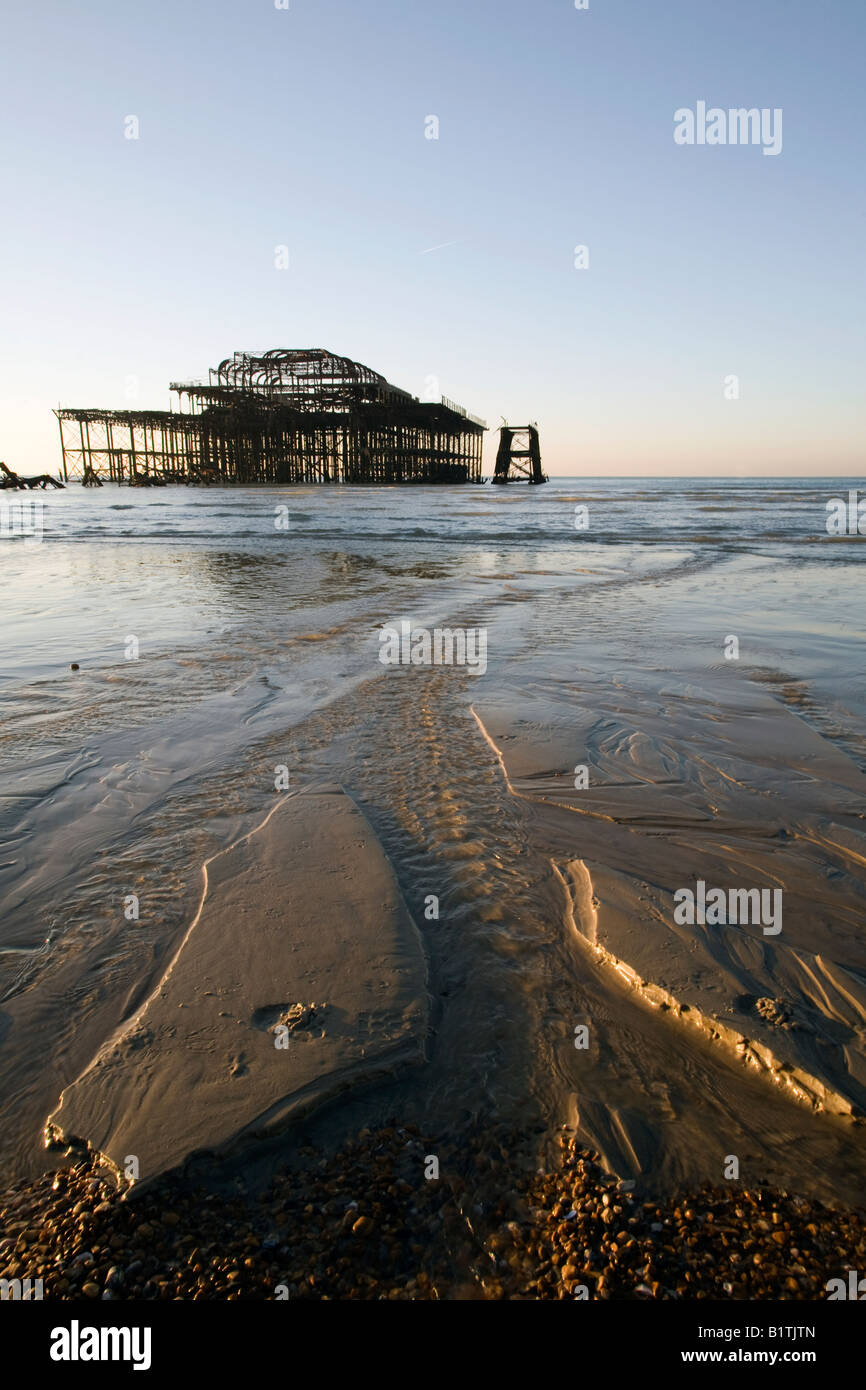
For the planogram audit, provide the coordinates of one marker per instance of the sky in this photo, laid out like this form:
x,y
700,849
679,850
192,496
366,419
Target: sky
x,y
718,327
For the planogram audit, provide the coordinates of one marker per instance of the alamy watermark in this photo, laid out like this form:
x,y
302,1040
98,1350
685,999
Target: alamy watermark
x,y
444,646
847,517
21,1290
736,126
77,1343
738,906
854,1290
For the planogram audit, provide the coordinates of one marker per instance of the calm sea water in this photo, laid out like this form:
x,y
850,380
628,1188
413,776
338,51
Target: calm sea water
x,y
184,564
219,632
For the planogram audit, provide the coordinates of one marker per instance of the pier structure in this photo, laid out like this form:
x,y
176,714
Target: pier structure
x,y
289,415
518,458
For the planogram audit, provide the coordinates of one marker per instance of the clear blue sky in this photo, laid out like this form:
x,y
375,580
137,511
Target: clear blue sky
x,y
261,127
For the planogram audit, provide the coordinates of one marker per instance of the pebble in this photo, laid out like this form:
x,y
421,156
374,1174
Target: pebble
x,y
497,1229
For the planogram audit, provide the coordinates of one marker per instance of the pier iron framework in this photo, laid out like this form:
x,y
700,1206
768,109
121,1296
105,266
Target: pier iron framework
x,y
518,458
288,415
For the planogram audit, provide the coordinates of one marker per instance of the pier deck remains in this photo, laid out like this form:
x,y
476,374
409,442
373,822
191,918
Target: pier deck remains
x,y
282,416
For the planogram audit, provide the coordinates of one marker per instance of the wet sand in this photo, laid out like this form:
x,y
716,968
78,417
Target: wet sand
x,y
301,974
701,1042
704,1040
703,1045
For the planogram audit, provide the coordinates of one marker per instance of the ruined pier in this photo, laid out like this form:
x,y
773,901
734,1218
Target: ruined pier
x,y
289,415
